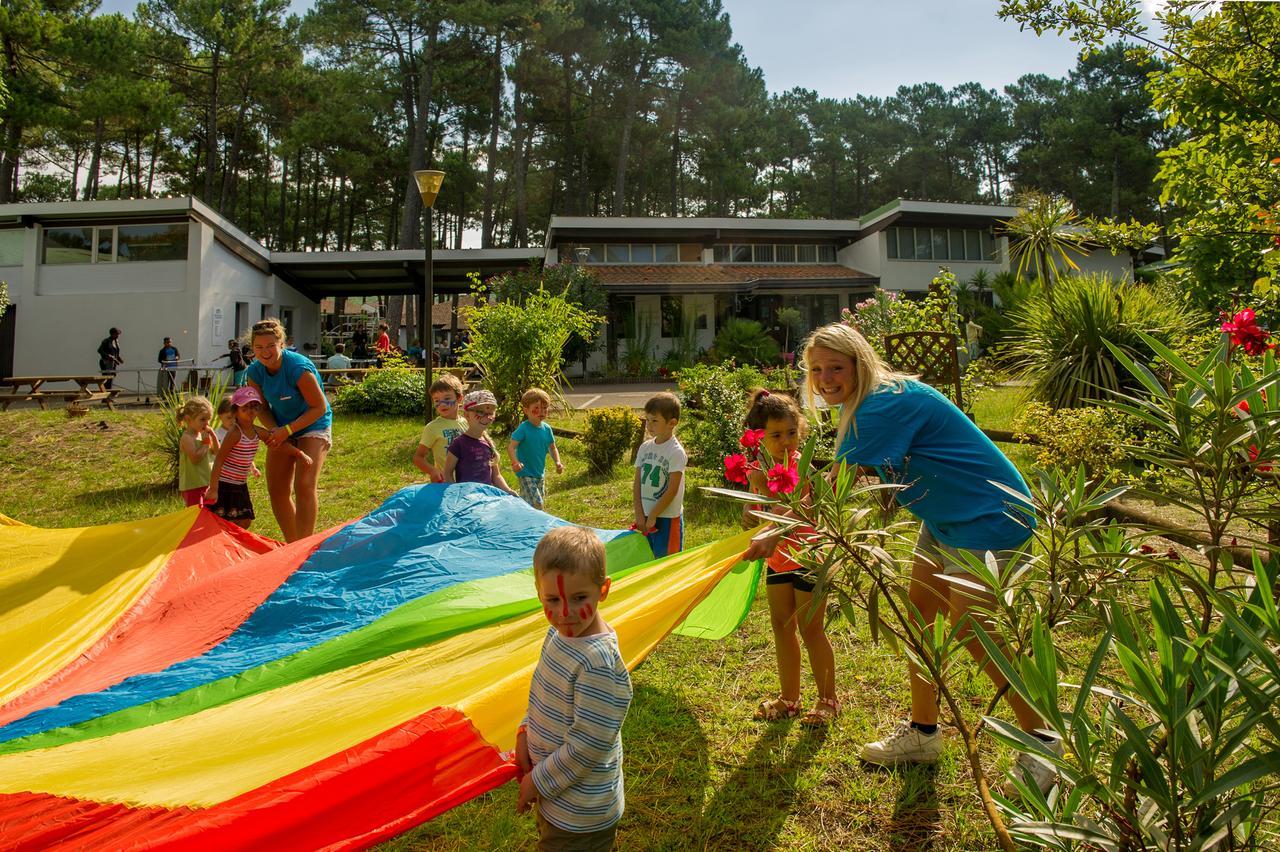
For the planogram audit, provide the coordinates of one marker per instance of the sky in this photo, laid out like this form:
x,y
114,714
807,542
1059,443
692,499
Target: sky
x,y
842,48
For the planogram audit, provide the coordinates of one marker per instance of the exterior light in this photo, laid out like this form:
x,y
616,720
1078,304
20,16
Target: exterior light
x,y
429,183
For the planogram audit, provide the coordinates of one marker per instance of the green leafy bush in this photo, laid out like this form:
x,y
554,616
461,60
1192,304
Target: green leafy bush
x,y
521,346
610,433
714,401
394,389
1060,346
1069,437
746,341
694,381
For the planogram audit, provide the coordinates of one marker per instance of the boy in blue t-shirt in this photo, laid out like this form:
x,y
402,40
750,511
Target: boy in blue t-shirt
x,y
529,445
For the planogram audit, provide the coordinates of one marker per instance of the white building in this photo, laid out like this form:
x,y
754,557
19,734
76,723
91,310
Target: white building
x,y
174,267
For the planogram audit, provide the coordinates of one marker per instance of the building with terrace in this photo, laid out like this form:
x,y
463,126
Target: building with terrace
x,y
174,267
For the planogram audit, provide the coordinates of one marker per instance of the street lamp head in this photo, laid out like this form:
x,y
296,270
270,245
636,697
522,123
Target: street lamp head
x,y
429,183
583,253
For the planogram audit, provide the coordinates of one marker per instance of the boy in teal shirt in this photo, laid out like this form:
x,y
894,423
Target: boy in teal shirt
x,y
529,445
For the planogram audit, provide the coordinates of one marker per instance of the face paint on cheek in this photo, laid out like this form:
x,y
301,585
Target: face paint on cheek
x,y
551,616
585,612
560,586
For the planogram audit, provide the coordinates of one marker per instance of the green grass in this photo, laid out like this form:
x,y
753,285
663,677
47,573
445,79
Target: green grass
x,y
700,774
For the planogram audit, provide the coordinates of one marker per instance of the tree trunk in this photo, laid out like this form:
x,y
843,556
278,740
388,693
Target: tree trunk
x,y
1115,185
675,156
12,132
419,112
491,155
624,146
211,128
95,160
227,198
297,202
282,204
519,164
328,215
462,192
567,154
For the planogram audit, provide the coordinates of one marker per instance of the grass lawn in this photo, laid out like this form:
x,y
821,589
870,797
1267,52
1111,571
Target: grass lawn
x,y
699,772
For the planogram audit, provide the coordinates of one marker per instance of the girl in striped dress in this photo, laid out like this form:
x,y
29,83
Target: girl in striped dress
x,y
228,494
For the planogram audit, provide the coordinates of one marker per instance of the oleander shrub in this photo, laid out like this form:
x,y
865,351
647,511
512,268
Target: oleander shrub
x,y
610,433
745,341
396,388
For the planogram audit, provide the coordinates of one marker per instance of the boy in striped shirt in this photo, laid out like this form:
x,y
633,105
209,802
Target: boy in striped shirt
x,y
569,748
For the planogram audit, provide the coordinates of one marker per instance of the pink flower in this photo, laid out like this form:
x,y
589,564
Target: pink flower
x,y
788,358
751,438
1244,332
782,479
736,468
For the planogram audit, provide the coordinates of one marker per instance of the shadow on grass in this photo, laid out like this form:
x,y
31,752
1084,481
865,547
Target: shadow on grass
x,y
138,492
751,806
666,766
916,822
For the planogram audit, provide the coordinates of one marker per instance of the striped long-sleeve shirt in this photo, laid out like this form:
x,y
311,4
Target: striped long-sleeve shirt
x,y
577,701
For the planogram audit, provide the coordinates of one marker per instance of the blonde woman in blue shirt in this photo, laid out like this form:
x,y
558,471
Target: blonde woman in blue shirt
x,y
951,477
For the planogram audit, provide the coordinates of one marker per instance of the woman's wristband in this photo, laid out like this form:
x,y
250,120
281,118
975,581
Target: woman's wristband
x,y
288,428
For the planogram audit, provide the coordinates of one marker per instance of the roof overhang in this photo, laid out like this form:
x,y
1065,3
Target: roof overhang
x,y
940,214
648,288
393,273
705,230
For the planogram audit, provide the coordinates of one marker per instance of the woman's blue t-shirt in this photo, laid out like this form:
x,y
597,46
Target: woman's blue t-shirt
x,y
280,390
915,437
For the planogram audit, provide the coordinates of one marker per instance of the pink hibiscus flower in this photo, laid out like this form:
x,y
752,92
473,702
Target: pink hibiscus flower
x,y
736,468
782,479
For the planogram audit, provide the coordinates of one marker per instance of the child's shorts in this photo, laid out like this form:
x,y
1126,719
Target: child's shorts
x,y
784,569
234,503
533,490
668,538
194,496
553,838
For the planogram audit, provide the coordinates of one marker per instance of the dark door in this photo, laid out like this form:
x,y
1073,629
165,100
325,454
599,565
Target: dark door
x,y
8,325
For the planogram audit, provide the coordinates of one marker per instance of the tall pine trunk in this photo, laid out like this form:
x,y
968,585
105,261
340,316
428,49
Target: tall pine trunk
x,y
491,155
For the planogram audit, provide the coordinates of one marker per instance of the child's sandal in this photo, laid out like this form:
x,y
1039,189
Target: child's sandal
x,y
774,709
823,713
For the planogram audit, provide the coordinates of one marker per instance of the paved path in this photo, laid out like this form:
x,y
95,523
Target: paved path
x,y
603,396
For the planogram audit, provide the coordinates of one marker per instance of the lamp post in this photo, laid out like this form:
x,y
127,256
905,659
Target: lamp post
x,y
429,182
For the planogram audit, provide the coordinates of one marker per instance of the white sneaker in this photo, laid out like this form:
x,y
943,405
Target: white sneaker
x,y
905,745
1034,769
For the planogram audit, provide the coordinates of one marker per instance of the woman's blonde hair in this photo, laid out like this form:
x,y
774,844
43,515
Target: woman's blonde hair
x,y
270,326
192,406
869,369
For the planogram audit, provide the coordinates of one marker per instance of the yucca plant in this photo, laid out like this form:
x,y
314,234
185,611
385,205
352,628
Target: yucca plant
x,y
1061,347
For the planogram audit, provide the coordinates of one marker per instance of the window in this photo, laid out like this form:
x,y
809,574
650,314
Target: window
x,y
806,254
826,254
665,253
11,247
624,317
110,243
242,318
742,254
941,244
720,253
690,253
595,253
957,244
891,242
286,320
641,253
266,312
990,248
924,244
973,245
617,253
672,316
785,254
67,245
151,242
763,253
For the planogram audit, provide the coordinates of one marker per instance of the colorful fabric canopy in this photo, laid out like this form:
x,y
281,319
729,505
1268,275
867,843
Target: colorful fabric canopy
x,y
178,680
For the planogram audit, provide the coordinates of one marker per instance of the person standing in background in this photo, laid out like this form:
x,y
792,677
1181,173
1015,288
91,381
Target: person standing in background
x,y
109,356
168,360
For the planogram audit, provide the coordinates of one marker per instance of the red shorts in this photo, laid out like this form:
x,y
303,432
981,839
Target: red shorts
x,y
194,496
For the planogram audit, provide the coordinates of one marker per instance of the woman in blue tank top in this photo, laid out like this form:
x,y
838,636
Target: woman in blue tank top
x,y
950,475
297,412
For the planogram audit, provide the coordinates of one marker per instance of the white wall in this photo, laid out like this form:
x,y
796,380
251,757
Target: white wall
x,y
66,310
866,255
1102,262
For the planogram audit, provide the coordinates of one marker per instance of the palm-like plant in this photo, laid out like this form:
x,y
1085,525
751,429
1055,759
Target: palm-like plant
x,y
1059,344
1043,236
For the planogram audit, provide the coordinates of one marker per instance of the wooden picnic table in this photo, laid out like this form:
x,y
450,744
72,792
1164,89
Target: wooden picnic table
x,y
93,388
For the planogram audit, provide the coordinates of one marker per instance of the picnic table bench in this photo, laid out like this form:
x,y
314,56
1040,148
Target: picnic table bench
x,y
93,388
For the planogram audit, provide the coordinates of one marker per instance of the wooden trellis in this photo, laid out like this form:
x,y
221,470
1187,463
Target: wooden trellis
x,y
929,354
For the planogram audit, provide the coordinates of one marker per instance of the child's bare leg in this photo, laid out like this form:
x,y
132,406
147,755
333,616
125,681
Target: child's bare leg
x,y
822,659
782,617
242,523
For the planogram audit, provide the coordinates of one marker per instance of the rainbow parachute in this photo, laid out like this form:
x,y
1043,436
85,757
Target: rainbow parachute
x,y
177,681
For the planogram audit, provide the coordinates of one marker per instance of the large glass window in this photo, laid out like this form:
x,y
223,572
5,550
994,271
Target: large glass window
x,y
624,317
941,244
617,253
67,245
806,254
11,247
826,254
786,254
742,254
972,245
641,253
924,244
665,253
763,253
690,253
151,242
672,316
720,253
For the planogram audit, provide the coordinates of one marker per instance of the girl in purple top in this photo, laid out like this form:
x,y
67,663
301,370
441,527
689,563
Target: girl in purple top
x,y
471,456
